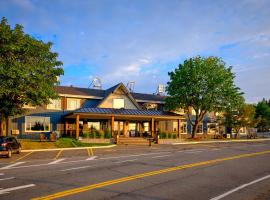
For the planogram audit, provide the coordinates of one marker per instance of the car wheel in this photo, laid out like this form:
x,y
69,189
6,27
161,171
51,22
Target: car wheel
x,y
19,150
9,153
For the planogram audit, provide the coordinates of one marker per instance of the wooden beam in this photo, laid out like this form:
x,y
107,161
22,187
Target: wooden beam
x,y
179,127
66,126
112,125
153,126
118,128
124,128
77,126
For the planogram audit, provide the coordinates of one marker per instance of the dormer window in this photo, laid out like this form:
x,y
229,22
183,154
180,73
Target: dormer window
x,y
73,104
118,103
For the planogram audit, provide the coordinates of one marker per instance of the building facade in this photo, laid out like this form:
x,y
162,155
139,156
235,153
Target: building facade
x,y
79,111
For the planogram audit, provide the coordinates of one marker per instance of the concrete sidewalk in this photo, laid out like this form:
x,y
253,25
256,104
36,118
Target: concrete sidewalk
x,y
223,141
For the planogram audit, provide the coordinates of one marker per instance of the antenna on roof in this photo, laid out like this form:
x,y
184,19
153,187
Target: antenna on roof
x,y
96,83
130,86
160,89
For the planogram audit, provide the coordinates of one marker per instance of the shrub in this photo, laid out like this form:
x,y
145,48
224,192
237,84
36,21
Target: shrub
x,y
169,135
174,136
107,133
163,135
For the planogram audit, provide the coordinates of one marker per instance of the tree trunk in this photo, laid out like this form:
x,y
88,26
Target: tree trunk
x,y
195,128
2,125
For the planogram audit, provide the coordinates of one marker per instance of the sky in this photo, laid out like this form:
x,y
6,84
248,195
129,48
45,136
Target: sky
x,y
143,40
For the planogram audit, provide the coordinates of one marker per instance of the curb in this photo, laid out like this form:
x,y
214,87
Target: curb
x,y
71,148
222,141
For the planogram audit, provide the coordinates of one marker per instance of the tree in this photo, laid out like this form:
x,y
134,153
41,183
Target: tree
x,y
263,114
28,71
244,116
204,85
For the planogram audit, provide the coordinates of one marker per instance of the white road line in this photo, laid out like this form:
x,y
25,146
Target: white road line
x,y
76,161
12,165
215,149
194,152
2,179
161,156
125,161
74,168
1,174
56,161
92,158
135,155
7,190
240,187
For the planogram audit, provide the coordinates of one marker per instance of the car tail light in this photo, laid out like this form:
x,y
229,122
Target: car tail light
x,y
4,144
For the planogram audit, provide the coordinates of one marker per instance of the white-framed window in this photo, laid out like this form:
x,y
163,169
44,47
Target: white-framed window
x,y
146,126
212,128
56,104
95,125
175,126
183,127
118,103
37,124
73,104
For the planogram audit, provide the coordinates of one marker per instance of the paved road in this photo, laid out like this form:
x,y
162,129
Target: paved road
x,y
212,171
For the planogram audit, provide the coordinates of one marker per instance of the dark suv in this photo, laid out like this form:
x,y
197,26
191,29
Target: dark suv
x,y
9,145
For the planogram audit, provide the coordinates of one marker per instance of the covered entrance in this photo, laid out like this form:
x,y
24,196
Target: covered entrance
x,y
120,122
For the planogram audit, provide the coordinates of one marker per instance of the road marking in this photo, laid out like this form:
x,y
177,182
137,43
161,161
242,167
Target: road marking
x,y
1,174
58,154
74,168
161,156
56,161
142,175
2,179
22,157
215,149
92,158
240,188
135,155
90,152
7,190
126,161
194,152
12,165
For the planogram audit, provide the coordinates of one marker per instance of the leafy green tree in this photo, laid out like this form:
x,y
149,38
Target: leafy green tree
x,y
263,114
244,116
203,84
28,72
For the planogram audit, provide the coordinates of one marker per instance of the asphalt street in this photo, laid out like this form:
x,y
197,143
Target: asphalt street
x,y
201,171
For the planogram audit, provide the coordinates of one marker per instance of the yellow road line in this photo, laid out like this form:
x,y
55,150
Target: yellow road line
x,y
58,154
142,175
22,157
90,152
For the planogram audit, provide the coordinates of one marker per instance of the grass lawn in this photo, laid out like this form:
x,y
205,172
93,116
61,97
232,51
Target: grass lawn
x,y
60,143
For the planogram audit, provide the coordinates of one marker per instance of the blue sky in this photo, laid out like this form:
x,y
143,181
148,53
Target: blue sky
x,y
141,40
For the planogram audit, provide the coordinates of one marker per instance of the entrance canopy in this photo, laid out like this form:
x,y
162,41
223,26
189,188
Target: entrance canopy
x,y
122,114
107,113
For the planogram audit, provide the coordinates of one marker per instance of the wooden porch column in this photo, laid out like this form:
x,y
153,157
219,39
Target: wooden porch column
x,y
112,125
179,127
118,128
77,126
66,126
124,128
153,126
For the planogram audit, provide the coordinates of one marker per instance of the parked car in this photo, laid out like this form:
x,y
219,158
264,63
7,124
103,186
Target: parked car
x,y
9,145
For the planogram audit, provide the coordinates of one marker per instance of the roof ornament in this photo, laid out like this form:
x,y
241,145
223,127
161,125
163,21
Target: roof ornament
x,y
130,86
96,83
160,89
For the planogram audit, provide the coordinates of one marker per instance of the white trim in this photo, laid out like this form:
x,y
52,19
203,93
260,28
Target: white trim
x,y
149,101
36,131
80,96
